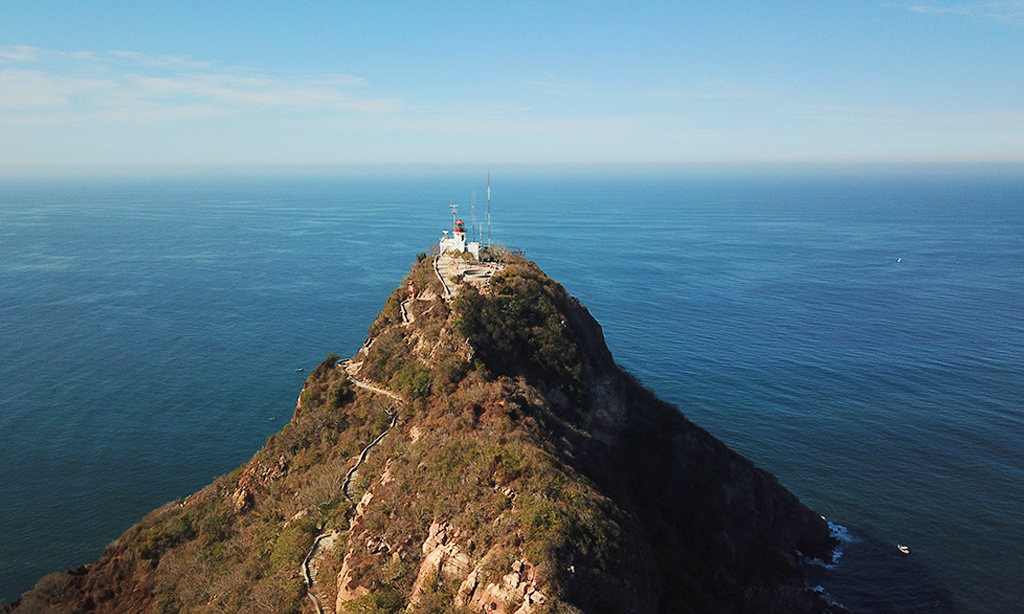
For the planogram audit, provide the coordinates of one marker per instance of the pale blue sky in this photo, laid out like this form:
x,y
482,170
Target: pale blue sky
x,y
288,83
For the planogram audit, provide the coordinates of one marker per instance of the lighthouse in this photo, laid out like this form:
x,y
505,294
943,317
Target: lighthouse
x,y
457,242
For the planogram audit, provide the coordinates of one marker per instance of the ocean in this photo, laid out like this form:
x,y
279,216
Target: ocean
x,y
860,335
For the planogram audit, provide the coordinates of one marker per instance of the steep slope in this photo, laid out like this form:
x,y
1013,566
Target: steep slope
x,y
482,453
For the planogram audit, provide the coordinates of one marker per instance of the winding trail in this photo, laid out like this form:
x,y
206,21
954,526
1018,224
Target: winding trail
x,y
447,291
307,572
366,450
314,550
407,318
362,457
362,384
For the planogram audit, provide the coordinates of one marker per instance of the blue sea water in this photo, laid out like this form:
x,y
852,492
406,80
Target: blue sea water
x,y
861,336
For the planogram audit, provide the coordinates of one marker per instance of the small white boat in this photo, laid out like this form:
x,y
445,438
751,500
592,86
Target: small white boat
x,y
903,549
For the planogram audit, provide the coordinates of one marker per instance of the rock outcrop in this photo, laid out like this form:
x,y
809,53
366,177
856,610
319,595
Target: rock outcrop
x,y
515,469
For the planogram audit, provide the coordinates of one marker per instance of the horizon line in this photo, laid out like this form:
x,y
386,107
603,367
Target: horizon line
x,y
281,170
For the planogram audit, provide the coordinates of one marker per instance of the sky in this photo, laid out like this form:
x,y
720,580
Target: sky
x,y
134,84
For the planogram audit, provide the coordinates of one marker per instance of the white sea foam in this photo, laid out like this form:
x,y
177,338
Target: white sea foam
x,y
840,534
824,594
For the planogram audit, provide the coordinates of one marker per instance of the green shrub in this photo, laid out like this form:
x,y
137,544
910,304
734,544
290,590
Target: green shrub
x,y
293,544
310,398
339,393
169,533
56,587
216,527
521,331
382,601
420,384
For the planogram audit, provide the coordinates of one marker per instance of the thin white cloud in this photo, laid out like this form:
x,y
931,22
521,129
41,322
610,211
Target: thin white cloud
x,y
240,92
18,53
61,87
700,95
517,127
1004,128
1006,11
499,108
28,89
162,61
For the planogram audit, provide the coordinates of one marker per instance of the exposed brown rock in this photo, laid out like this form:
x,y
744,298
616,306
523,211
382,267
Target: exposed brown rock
x,y
255,478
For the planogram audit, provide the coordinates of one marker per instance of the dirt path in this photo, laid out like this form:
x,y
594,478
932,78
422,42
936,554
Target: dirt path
x,y
394,420
447,292
325,541
362,458
363,384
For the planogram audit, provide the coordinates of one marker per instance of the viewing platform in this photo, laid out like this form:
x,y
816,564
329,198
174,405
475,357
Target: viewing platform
x,y
453,268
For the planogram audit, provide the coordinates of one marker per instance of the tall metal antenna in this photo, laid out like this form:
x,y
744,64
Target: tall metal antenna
x,y
472,210
488,208
455,211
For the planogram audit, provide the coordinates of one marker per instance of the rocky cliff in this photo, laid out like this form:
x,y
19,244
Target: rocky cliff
x,y
481,453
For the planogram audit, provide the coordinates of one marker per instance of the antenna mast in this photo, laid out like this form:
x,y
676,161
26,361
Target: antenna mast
x,y
488,208
472,209
455,210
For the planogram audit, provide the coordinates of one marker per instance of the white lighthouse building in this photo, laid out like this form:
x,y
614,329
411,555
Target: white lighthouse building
x,y
457,241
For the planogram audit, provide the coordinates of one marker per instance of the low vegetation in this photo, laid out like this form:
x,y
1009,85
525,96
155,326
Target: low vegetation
x,y
519,328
